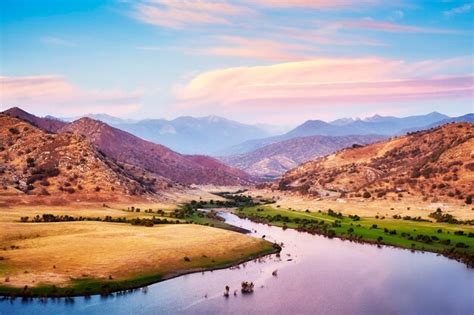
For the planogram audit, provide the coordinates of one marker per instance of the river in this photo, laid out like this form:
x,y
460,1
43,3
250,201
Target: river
x,y
314,275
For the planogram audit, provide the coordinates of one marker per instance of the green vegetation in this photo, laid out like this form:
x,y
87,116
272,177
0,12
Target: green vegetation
x,y
452,240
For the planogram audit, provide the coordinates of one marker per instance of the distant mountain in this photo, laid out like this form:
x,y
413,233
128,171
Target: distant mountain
x,y
189,135
274,159
108,119
45,123
469,118
64,165
380,125
435,164
155,158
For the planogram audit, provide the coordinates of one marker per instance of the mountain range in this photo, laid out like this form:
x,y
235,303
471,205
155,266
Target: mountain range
x,y
434,164
189,135
376,125
138,156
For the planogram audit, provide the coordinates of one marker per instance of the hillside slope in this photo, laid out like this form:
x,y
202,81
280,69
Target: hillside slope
x,y
158,159
37,163
435,164
275,159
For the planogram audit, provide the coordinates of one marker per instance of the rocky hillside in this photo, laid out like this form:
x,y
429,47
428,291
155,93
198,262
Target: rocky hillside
x,y
48,124
275,159
35,162
128,149
435,164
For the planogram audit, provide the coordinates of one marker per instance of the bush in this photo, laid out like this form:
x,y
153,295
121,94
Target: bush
x,y
366,194
14,131
469,200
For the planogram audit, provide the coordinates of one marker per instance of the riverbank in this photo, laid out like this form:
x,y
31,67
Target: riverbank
x,y
455,241
72,258
104,287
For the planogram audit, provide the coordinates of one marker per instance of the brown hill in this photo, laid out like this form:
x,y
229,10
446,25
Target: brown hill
x,y
126,148
275,159
437,164
48,124
34,162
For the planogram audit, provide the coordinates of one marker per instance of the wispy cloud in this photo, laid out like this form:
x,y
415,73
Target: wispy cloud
x,y
56,41
317,4
265,49
370,24
466,8
177,14
55,94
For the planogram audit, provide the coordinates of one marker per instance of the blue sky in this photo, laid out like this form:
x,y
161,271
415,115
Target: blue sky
x,y
256,61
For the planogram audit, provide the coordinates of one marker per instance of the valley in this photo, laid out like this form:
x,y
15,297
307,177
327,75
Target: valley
x,y
144,213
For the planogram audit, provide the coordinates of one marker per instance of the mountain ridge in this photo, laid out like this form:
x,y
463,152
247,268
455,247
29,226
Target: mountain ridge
x,y
434,164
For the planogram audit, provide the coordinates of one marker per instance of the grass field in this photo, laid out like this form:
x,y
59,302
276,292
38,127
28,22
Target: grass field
x,y
408,205
87,257
427,236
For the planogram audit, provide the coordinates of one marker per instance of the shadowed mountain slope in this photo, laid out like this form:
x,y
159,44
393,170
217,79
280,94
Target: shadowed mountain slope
x,y
158,159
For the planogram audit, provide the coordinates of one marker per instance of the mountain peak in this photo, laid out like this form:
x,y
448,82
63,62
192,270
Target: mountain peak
x,y
48,124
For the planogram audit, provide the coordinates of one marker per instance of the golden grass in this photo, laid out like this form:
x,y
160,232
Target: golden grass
x,y
57,253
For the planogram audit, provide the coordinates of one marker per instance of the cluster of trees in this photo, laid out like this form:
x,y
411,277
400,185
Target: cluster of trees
x,y
47,217
409,218
442,217
335,214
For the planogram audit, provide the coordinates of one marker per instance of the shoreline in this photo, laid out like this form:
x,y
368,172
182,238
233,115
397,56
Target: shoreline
x,y
105,288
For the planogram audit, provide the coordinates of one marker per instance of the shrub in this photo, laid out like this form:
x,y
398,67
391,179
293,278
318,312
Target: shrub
x,y
14,131
469,200
461,245
366,194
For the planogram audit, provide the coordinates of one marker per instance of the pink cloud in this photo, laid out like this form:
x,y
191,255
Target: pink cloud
x,y
54,94
317,4
370,24
319,82
236,46
181,13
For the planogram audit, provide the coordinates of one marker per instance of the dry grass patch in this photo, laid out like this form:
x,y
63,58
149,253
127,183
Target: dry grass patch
x,y
57,253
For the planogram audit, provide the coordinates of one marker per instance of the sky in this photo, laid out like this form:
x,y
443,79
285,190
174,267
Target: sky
x,y
255,61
